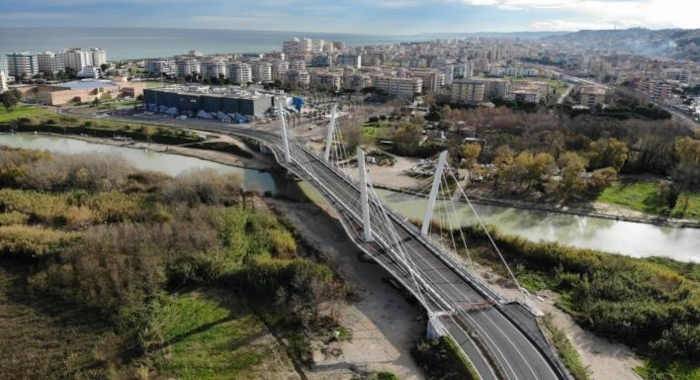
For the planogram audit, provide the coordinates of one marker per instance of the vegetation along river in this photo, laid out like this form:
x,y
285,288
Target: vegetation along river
x,y
628,238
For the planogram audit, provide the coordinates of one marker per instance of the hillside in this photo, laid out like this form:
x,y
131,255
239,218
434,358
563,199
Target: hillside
x,y
671,43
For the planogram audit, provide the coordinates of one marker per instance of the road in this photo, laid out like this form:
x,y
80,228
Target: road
x,y
493,342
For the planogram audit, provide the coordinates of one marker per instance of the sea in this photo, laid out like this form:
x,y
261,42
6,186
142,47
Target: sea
x,y
132,43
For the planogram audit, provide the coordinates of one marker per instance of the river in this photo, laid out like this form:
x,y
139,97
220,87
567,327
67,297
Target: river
x,y
628,238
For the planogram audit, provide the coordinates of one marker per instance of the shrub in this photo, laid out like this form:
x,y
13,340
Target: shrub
x,y
31,241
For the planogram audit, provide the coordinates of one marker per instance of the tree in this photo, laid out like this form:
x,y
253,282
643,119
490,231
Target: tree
x,y
470,153
10,98
608,153
687,172
572,167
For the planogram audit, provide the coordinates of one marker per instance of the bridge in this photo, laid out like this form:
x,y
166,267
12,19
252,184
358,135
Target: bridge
x,y
499,337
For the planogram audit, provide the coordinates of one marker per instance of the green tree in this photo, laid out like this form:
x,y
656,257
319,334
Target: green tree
x,y
10,99
687,172
608,153
572,168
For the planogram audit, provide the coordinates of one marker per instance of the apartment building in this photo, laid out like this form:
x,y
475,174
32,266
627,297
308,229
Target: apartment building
x,y
402,87
188,66
298,78
468,91
76,59
279,70
21,65
98,56
591,96
50,63
326,81
352,60
161,67
214,69
240,72
432,79
655,89
262,71
355,81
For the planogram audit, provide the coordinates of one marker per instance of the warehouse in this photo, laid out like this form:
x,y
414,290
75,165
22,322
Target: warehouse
x,y
207,101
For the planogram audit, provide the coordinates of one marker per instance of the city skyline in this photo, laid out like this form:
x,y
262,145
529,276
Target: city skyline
x,y
391,17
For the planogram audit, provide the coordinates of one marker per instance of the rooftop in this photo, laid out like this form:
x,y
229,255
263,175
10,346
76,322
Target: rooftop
x,y
219,91
87,84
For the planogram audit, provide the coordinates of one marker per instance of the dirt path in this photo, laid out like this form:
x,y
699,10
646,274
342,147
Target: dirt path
x,y
384,324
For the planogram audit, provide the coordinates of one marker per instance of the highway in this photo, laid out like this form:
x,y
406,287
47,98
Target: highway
x,y
496,345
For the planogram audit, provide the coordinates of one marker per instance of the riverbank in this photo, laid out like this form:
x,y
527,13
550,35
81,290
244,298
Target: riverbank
x,y
594,210
259,161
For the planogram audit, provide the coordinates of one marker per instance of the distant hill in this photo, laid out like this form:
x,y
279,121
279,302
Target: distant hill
x,y
671,43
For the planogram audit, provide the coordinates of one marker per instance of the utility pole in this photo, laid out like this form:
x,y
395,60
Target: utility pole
x,y
329,136
364,196
437,178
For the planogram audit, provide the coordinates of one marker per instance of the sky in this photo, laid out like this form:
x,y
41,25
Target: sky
x,y
400,17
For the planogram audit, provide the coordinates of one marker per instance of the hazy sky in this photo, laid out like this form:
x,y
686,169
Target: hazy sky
x,y
359,16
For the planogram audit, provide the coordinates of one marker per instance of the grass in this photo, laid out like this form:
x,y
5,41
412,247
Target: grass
x,y
637,196
687,206
22,110
213,335
42,337
644,196
567,352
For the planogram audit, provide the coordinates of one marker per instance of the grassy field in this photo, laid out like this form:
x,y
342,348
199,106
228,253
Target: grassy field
x,y
644,196
21,111
213,335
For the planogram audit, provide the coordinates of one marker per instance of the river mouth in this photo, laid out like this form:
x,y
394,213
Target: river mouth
x,y
627,238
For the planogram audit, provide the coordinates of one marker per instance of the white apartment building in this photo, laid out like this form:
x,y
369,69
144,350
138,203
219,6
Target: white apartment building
x,y
240,73
403,87
187,67
76,59
50,63
279,70
592,96
98,56
214,69
161,67
262,71
22,65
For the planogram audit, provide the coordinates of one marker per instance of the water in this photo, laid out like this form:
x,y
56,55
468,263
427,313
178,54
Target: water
x,y
170,164
123,43
631,239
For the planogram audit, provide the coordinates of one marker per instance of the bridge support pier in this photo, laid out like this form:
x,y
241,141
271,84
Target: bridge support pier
x,y
329,135
437,178
435,327
364,196
285,136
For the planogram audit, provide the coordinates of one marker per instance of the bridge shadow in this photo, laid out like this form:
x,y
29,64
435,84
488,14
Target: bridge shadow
x,y
386,322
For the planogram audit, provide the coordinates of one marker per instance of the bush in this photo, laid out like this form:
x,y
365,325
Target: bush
x,y
26,242
442,359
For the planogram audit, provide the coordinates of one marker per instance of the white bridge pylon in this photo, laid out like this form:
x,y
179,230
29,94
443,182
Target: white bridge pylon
x,y
364,196
285,133
439,169
331,132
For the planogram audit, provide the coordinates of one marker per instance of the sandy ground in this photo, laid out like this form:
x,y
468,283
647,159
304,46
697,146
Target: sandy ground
x,y
604,359
384,324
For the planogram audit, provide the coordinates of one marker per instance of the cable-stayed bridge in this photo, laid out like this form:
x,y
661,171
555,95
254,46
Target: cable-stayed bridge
x,y
500,338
